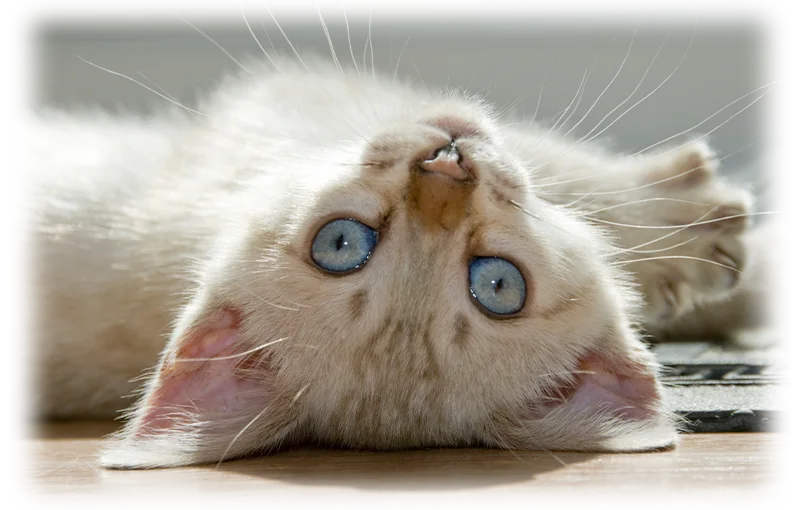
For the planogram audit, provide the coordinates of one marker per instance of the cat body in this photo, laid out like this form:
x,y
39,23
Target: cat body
x,y
188,242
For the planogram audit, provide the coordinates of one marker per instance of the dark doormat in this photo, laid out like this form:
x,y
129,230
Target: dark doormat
x,y
720,389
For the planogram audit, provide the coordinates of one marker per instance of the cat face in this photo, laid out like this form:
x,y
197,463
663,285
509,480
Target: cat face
x,y
405,289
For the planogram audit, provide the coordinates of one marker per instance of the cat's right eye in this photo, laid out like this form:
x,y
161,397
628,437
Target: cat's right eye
x,y
343,245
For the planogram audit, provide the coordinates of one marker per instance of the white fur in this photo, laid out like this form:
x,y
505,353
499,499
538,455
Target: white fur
x,y
144,226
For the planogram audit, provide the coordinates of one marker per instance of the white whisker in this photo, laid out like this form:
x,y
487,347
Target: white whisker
x,y
575,97
631,250
349,42
299,393
685,131
215,43
644,200
650,184
287,39
420,77
237,436
159,94
631,225
330,42
233,356
397,66
269,39
637,103
161,89
619,70
369,37
699,259
257,41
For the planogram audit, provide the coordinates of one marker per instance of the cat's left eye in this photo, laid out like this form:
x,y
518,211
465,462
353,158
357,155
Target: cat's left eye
x,y
343,245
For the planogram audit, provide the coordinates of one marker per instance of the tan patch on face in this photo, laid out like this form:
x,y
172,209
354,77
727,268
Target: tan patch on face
x,y
438,201
462,330
357,303
431,370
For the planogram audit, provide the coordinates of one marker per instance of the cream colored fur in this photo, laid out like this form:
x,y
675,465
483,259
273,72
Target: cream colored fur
x,y
143,227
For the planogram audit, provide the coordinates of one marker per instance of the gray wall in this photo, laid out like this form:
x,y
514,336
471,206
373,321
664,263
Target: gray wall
x,y
507,61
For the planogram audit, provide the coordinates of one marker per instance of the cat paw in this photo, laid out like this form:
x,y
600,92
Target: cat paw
x,y
681,231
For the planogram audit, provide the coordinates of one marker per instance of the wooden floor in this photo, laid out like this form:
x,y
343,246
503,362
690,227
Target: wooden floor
x,y
63,460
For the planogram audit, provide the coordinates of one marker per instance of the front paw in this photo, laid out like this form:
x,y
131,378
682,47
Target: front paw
x,y
684,241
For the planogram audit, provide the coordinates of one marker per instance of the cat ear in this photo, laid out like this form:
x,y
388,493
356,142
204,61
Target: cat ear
x,y
210,398
613,403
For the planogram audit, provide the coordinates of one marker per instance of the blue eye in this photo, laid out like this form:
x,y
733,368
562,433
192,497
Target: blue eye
x,y
343,245
497,284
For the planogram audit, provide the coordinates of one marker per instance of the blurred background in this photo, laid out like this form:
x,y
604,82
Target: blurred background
x,y
682,72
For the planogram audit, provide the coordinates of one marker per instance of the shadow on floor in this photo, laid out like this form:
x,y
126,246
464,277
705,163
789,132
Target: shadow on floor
x,y
425,469
439,469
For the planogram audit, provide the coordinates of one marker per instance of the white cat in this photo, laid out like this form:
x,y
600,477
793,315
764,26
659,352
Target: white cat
x,y
331,258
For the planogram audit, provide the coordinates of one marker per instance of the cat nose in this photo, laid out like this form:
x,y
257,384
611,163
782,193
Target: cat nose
x,y
447,161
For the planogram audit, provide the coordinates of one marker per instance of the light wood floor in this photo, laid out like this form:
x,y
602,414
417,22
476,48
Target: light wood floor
x,y
63,460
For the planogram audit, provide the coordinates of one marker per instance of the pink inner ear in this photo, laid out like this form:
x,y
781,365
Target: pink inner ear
x,y
201,379
623,389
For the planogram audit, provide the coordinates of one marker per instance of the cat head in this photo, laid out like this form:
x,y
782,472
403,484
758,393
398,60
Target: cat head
x,y
399,288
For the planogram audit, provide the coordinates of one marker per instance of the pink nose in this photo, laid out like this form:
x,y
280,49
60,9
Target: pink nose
x,y
447,161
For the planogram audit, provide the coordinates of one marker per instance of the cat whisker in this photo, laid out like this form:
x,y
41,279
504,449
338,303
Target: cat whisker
x,y
287,39
687,257
421,79
161,89
656,89
371,50
528,213
576,144
269,39
630,250
566,373
237,436
506,109
637,188
397,66
159,94
299,394
706,222
539,100
330,42
619,70
215,43
277,67
578,93
582,91
233,356
685,131
665,236
264,301
349,42
556,457
644,200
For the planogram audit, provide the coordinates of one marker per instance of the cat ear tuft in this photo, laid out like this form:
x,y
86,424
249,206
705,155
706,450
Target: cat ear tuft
x,y
210,398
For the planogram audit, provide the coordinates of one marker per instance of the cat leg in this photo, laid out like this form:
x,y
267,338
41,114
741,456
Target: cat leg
x,y
760,309
681,229
679,225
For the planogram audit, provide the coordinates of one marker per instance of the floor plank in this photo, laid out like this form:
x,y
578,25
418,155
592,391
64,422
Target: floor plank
x,y
63,460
